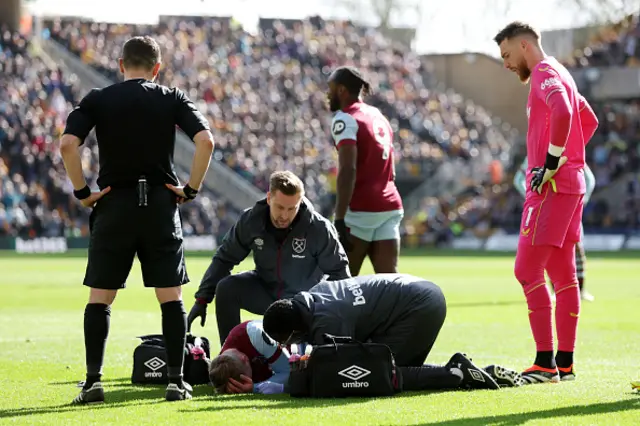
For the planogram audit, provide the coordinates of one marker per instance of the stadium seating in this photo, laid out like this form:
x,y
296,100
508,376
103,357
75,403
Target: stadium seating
x,y
264,92
35,194
611,45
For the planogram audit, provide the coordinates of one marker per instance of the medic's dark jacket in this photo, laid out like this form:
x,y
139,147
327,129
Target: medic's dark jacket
x,y
310,250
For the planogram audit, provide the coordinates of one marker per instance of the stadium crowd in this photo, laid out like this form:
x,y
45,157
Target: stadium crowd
x,y
35,195
615,44
264,92
264,96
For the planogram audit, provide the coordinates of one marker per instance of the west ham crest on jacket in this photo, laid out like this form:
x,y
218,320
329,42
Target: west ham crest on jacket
x,y
299,244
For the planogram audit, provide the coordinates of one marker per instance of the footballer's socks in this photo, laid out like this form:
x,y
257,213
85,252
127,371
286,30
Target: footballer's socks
x,y
545,359
564,359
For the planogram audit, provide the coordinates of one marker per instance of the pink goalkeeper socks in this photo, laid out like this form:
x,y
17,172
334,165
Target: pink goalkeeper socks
x,y
540,317
567,312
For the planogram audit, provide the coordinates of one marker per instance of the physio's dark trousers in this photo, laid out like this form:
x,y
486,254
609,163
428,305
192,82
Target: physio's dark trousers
x,y
241,291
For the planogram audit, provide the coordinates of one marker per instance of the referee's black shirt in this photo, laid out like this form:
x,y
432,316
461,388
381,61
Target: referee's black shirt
x,y
135,123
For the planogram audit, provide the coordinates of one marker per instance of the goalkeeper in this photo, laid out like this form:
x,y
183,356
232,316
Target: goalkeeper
x,y
520,183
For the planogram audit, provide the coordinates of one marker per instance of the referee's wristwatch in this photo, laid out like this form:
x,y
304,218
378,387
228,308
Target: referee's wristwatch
x,y
189,192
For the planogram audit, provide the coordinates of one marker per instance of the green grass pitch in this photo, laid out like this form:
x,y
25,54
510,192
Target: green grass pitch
x,y
42,352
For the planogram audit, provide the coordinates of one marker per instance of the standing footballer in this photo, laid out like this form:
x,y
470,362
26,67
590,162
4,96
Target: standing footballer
x,y
520,183
560,124
368,203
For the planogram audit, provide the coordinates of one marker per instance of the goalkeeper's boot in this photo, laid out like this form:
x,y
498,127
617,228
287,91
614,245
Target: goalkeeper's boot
x,y
505,377
537,374
472,376
92,395
178,392
635,385
567,374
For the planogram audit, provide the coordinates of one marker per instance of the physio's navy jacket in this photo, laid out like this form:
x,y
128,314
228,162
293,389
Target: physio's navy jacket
x,y
360,307
310,250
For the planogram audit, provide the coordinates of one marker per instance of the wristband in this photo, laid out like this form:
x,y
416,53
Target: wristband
x,y
83,193
189,192
551,163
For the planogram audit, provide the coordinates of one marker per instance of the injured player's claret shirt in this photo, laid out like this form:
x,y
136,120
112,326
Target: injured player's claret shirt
x,y
264,354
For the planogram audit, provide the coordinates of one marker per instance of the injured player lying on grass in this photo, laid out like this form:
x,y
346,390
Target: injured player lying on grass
x,y
329,306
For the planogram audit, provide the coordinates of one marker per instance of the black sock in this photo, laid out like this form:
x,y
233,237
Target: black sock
x,y
545,359
96,329
580,283
428,377
564,359
174,330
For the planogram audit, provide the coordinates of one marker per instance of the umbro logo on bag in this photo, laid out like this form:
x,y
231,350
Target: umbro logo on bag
x,y
355,373
476,375
154,364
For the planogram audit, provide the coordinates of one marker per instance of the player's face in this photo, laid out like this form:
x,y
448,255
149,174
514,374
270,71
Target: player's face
x,y
512,52
332,97
283,208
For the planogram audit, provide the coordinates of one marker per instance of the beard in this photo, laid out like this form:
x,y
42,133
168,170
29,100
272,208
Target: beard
x,y
334,104
524,73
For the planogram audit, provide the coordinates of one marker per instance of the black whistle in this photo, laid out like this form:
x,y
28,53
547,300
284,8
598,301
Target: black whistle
x,y
143,189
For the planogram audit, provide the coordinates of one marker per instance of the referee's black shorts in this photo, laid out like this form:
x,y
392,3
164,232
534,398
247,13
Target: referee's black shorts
x,y
120,230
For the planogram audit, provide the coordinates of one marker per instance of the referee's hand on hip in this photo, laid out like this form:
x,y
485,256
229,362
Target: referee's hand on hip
x,y
180,192
91,200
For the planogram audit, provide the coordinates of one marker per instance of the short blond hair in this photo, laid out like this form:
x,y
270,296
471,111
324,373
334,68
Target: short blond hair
x,y
285,182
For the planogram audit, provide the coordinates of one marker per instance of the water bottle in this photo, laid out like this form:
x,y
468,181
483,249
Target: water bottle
x,y
197,351
294,359
304,359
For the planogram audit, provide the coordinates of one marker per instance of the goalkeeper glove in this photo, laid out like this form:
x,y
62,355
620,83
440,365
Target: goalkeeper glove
x,y
544,174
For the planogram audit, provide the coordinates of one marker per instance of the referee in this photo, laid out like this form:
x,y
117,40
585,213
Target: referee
x,y
136,209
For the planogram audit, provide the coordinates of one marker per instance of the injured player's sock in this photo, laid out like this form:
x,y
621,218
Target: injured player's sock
x,y
540,319
429,377
567,313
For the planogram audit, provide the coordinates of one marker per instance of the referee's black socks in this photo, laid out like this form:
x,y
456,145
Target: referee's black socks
x,y
174,330
96,329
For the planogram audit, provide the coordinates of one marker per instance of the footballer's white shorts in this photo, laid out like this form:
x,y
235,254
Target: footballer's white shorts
x,y
374,226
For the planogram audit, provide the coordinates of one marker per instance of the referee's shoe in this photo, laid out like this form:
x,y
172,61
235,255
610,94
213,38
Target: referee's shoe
x,y
95,393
